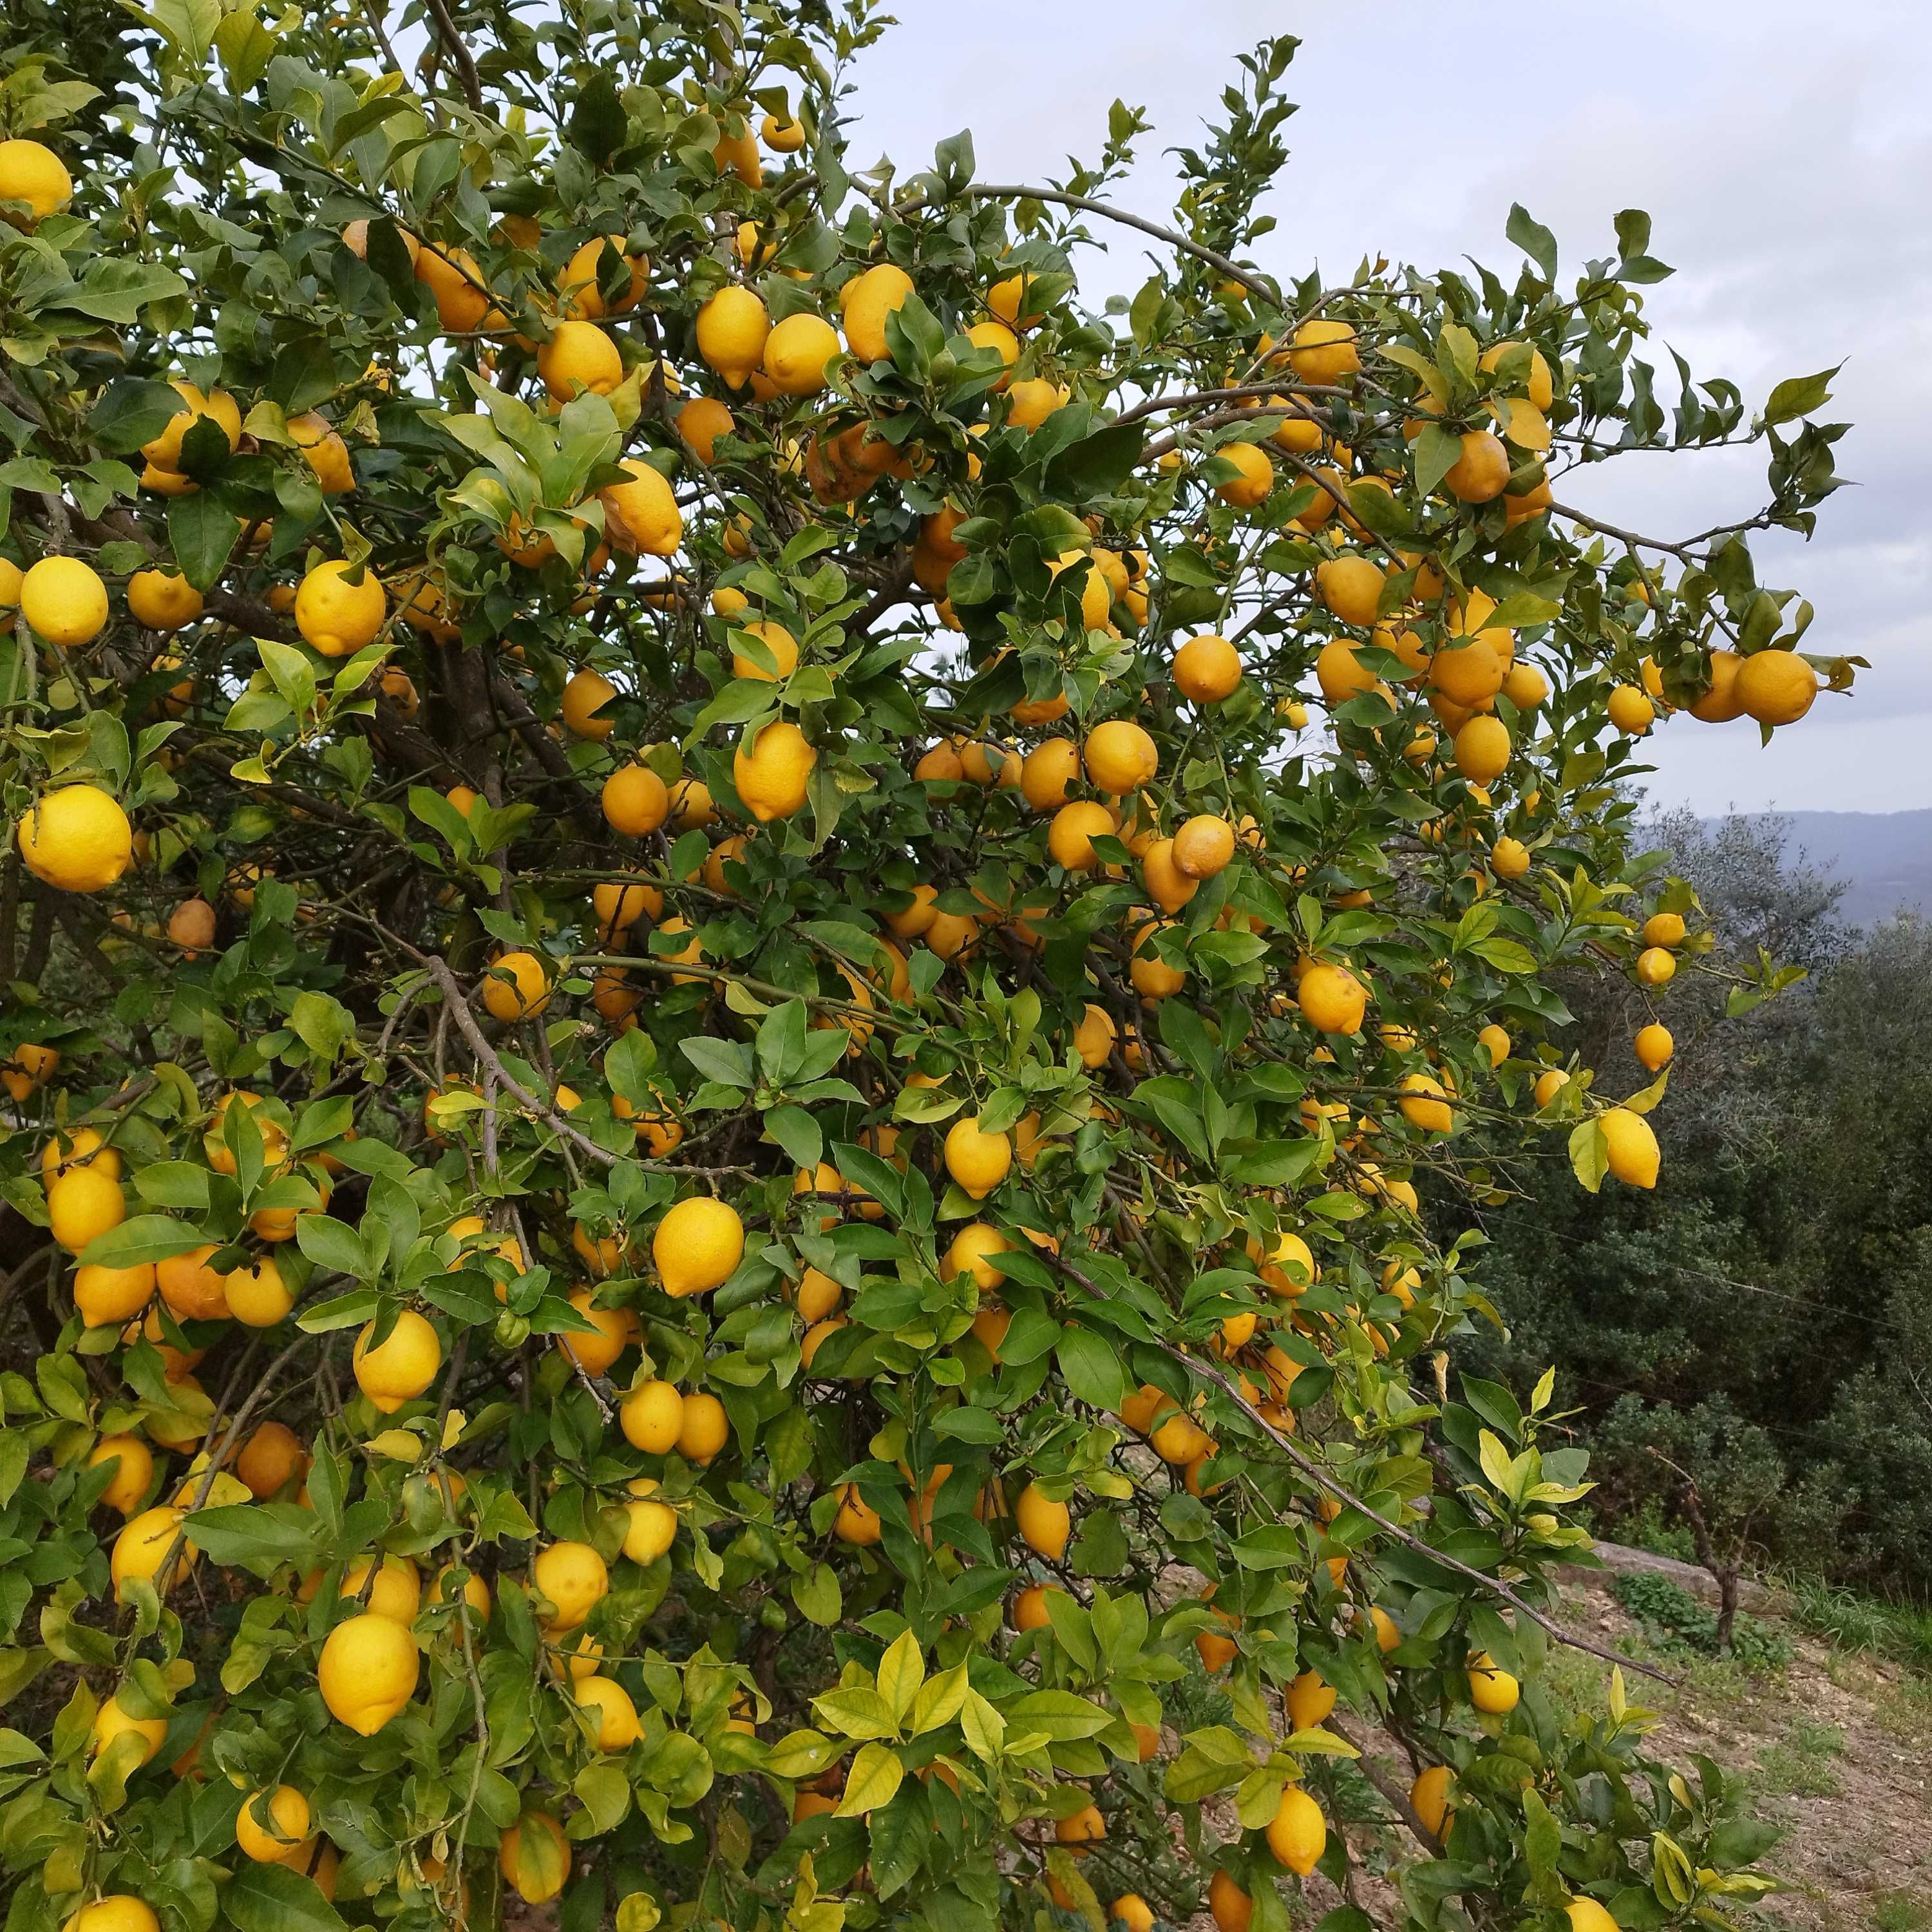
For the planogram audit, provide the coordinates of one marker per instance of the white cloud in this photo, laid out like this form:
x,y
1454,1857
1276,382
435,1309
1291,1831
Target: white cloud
x,y
1787,164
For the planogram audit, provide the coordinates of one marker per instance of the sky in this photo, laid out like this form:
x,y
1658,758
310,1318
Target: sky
x,y
1786,159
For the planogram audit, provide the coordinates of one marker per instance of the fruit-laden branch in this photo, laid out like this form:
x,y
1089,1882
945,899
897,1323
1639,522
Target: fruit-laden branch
x,y
1316,1473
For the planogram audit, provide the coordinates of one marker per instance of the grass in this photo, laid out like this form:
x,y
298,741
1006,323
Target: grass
x,y
1849,1622
1802,1763
1675,1620
1900,1912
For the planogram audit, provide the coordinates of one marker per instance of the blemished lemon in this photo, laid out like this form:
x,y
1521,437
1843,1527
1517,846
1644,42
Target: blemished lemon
x,y
579,358
641,516
1044,1525
978,1161
865,301
31,172
697,1246
586,698
1332,999
272,1456
773,771
731,331
402,1366
163,600
1297,1834
1203,846
796,353
570,1577
340,608
65,601
324,450
515,987
83,1203
367,1671
651,1416
135,1470
271,1825
1206,670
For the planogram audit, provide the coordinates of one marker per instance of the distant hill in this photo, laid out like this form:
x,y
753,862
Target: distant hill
x,y
1885,858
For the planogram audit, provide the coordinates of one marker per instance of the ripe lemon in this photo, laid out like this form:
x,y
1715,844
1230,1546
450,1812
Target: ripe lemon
x,y
635,801
216,406
1482,749
1496,1042
1207,669
864,303
703,1429
976,1160
32,173
780,645
613,1717
1654,1046
1549,1084
642,516
1332,999
1538,385
1351,587
146,1543
697,1246
653,1528
1203,846
1069,838
534,1857
1663,929
781,136
64,600
1423,1105
585,699
1586,1915
1167,886
1720,702
338,616
1046,772
190,1287
1030,403
1310,1698
1630,712
324,450
163,600
128,1485
615,1328
796,352
998,336
516,987
1341,674
1044,1525
367,1671
1233,1910
1324,353
1493,1690
1121,756
570,1577
403,1367
1656,966
1469,673
1297,1834
104,1294
700,422
257,1297
651,1416
396,1593
1152,977
272,1457
974,1251
1633,1153
579,357
1429,1798
1774,687
1510,858
111,1722
1482,471
118,1912
1093,1038
272,1825
731,331
773,772
82,1203
578,290
1255,478
1525,686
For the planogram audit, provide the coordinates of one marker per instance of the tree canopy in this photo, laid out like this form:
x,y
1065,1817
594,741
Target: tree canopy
x,y
720,1100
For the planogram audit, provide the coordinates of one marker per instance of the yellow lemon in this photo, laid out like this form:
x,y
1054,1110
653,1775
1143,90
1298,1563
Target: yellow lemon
x,y
732,328
272,1825
1297,1834
402,1366
367,1671
31,172
641,516
340,608
773,771
697,1246
570,1578
64,600
796,352
864,303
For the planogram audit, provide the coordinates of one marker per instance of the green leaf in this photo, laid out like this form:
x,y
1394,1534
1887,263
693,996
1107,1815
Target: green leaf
x,y
144,1237
273,1898
1091,1365
818,1595
202,531
1097,465
1059,1714
1799,395
1589,1153
257,1536
132,411
331,1243
1437,452
1533,238
597,124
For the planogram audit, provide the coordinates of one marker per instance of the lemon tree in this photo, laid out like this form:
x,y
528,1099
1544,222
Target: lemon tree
x,y
760,978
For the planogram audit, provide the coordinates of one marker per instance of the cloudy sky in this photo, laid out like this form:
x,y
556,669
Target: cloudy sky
x,y
1784,154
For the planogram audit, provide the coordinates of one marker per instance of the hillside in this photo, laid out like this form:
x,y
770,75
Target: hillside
x,y
1885,858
